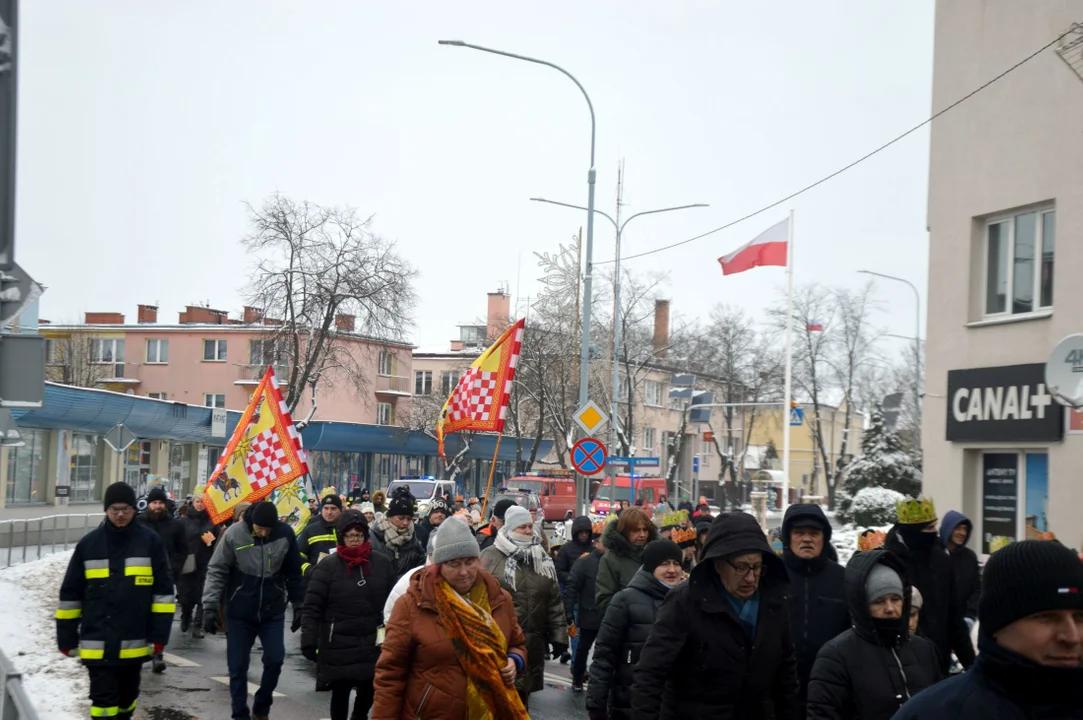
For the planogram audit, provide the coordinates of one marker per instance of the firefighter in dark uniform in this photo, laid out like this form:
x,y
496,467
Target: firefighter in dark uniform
x,y
116,604
318,536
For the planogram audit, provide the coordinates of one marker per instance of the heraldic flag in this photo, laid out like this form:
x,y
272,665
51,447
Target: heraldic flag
x,y
263,454
480,400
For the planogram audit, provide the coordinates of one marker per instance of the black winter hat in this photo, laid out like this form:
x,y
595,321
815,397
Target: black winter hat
x,y
264,514
658,552
804,515
402,503
439,506
502,507
157,494
117,493
332,499
1028,577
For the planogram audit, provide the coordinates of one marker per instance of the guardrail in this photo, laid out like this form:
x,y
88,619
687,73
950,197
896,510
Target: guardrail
x,y
30,538
15,703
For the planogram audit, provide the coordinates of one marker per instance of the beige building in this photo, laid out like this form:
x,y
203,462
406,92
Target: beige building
x,y
1005,203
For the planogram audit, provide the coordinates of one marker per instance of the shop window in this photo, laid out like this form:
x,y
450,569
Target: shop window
x,y
1015,498
26,469
1019,254
86,456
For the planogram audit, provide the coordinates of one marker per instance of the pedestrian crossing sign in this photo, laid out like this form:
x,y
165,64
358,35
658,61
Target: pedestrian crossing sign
x,y
797,417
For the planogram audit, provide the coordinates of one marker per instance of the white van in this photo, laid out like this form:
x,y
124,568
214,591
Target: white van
x,y
424,490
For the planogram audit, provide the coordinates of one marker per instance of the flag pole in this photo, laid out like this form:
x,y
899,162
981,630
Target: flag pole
x,y
784,500
492,469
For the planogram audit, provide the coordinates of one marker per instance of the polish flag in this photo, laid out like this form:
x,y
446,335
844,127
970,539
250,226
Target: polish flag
x,y
815,326
768,248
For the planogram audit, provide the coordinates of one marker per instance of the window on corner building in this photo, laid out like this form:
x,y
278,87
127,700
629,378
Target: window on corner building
x,y
1019,254
385,414
423,382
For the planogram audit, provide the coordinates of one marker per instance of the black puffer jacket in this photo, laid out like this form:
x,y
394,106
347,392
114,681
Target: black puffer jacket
x,y
342,614
195,524
579,590
573,549
625,628
817,596
698,661
171,532
942,618
864,674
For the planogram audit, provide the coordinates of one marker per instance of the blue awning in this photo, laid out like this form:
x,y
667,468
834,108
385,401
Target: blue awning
x,y
355,437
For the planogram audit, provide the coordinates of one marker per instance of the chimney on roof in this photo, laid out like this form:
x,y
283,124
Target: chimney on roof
x,y
193,314
661,328
498,316
104,318
147,314
344,322
457,346
252,315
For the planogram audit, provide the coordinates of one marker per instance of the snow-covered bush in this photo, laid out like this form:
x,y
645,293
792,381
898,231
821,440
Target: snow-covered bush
x,y
873,506
884,464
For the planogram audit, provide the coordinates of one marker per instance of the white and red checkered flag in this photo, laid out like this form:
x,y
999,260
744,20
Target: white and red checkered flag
x,y
263,453
480,400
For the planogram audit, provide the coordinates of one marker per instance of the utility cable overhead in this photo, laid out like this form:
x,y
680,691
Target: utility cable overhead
x,y
855,163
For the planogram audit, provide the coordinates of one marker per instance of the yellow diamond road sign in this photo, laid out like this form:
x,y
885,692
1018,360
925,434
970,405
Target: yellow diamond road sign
x,y
590,417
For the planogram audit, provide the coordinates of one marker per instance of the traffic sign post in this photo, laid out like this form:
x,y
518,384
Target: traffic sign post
x,y
588,456
634,462
120,439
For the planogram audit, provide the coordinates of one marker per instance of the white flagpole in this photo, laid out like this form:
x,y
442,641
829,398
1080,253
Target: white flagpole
x,y
789,373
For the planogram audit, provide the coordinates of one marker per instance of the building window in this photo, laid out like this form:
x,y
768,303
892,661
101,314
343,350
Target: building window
x,y
53,355
386,364
473,335
158,351
262,352
106,350
385,414
622,388
212,400
652,393
648,440
1019,253
26,468
160,395
214,350
423,382
449,380
85,458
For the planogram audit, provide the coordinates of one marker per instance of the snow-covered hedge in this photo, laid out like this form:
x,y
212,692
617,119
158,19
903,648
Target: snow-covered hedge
x,y
872,506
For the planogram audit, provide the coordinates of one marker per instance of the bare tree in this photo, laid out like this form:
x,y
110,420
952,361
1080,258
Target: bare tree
x,y
422,416
73,362
315,264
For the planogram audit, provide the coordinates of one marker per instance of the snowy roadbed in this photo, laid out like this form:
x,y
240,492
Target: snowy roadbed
x,y
57,685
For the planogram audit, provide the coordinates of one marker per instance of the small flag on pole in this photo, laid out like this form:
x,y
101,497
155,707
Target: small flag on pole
x,y
263,454
767,248
815,326
480,400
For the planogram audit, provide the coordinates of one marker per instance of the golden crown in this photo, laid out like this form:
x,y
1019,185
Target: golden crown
x,y
683,536
915,512
672,519
597,527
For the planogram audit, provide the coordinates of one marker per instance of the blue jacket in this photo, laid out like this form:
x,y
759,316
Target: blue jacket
x,y
964,563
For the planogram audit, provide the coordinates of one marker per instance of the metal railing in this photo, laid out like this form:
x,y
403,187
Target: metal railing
x,y
26,539
15,703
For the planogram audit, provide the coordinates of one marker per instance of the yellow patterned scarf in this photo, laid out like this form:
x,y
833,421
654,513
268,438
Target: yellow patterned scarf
x,y
482,650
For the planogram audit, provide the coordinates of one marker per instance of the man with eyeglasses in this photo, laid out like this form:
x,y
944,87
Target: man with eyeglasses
x,y
721,646
116,604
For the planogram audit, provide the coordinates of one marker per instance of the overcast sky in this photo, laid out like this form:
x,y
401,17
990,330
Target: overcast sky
x,y
146,125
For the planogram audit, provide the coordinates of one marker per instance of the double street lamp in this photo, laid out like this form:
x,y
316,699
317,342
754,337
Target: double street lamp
x,y
616,303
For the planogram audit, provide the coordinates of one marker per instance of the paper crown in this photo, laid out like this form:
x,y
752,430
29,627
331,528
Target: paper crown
x,y
870,540
684,537
327,491
915,512
597,527
671,519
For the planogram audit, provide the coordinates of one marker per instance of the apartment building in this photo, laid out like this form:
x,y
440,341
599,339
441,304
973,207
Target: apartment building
x,y
1005,202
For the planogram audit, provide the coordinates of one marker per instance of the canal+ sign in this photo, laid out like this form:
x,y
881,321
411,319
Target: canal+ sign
x,y
1002,404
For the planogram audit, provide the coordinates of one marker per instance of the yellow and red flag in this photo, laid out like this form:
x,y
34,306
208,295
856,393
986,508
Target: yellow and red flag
x,y
480,400
263,454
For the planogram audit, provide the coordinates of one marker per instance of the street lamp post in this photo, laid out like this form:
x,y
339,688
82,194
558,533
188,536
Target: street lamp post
x,y
588,270
917,347
616,302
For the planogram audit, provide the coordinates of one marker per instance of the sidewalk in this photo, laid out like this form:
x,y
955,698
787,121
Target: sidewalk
x,y
36,510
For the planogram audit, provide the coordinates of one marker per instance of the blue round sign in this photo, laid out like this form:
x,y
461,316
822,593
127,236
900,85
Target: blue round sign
x,y
588,456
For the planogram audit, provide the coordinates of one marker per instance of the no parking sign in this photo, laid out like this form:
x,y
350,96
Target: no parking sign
x,y
588,456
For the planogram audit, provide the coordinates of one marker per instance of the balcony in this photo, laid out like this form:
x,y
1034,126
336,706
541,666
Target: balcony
x,y
252,374
393,385
120,373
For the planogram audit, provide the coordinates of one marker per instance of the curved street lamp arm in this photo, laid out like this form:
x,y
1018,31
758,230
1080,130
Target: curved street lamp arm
x,y
576,207
661,210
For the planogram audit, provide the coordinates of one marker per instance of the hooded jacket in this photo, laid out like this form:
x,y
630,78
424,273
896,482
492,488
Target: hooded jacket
x,y
867,675
817,595
194,525
619,564
964,563
698,661
624,629
258,576
942,612
579,590
573,549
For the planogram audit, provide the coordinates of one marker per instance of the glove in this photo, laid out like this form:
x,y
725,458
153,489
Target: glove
x,y
573,631
158,649
210,623
309,652
559,649
296,624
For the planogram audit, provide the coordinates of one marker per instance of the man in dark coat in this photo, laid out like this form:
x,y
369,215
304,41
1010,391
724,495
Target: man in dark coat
x,y
116,605
817,597
870,670
955,532
579,545
317,538
581,608
438,513
487,533
721,646
395,536
159,518
200,534
1031,640
915,541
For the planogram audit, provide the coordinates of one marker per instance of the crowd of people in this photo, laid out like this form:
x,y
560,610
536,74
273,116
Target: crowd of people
x,y
661,613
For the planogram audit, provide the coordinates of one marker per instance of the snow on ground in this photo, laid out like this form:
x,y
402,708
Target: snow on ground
x,y
845,540
57,685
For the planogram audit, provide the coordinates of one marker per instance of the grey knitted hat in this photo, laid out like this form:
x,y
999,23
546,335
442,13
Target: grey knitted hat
x,y
454,541
515,516
882,581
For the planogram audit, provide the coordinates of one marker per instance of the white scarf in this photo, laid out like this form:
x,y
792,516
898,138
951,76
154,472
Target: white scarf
x,y
523,553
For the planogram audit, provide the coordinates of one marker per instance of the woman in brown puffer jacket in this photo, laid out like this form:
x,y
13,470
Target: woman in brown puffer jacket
x,y
453,646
